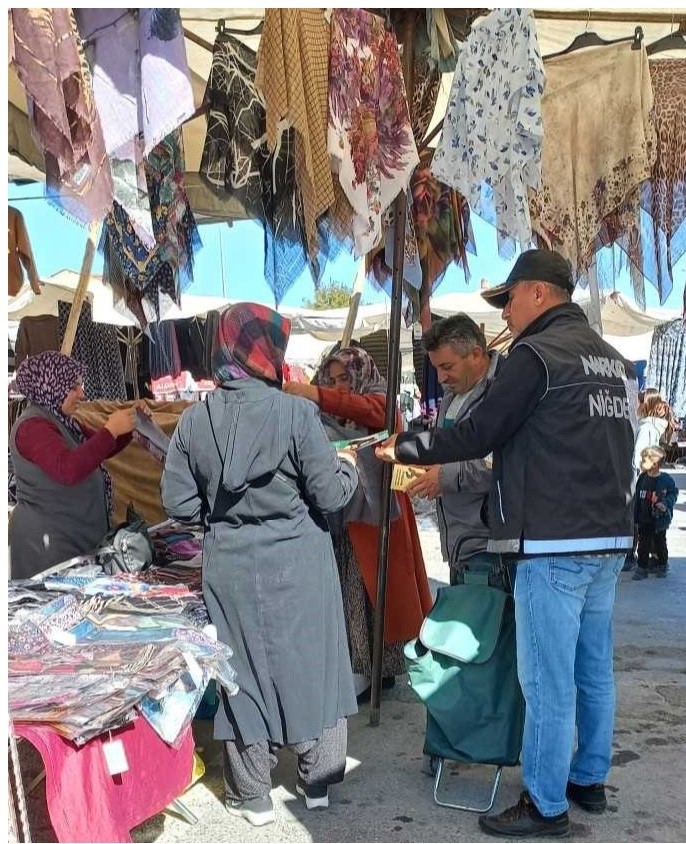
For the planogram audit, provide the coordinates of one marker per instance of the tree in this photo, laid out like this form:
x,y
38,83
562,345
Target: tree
x,y
331,295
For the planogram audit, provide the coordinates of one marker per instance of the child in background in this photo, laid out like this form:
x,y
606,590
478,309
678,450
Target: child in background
x,y
656,495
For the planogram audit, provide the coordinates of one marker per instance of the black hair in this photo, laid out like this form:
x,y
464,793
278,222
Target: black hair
x,y
460,331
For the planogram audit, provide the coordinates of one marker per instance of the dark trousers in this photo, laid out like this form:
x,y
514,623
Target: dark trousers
x,y
651,542
247,769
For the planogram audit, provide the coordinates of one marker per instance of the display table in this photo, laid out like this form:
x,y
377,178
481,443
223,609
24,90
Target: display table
x,y
87,803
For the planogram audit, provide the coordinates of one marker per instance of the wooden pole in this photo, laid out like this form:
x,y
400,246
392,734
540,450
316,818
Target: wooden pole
x,y
624,16
81,289
391,393
354,304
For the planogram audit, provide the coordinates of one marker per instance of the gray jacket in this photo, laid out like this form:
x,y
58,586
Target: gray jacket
x,y
463,503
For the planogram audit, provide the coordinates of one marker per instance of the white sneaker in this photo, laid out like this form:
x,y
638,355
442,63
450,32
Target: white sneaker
x,y
258,811
316,796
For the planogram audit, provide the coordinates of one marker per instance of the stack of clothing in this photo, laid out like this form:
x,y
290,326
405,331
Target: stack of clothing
x,y
113,647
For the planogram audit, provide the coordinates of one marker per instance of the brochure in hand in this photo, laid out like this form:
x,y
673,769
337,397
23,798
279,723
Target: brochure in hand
x,y
361,442
404,475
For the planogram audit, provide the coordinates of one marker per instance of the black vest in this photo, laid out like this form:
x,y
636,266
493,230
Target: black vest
x,y
563,483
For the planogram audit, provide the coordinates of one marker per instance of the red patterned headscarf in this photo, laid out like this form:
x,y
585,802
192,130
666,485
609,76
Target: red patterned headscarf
x,y
251,343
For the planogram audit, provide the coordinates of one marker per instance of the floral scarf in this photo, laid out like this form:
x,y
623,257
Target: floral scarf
x,y
364,375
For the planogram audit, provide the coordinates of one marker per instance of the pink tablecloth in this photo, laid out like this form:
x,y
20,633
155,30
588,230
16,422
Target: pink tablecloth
x,y
86,803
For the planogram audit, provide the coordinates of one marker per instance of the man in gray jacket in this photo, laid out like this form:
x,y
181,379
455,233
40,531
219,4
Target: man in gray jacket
x,y
457,349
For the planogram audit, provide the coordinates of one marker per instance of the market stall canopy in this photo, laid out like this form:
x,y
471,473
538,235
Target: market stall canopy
x,y
200,27
620,318
61,287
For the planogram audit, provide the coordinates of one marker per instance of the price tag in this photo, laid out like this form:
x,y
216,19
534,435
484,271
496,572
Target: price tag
x,y
115,757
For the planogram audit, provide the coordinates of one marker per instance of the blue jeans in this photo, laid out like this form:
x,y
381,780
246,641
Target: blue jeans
x,y
563,610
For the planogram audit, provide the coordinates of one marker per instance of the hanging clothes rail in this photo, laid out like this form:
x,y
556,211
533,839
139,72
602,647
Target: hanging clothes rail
x,y
608,16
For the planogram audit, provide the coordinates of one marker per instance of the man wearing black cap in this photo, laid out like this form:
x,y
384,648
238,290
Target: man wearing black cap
x,y
559,419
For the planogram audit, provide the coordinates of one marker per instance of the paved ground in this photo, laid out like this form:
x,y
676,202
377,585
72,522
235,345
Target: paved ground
x,y
386,797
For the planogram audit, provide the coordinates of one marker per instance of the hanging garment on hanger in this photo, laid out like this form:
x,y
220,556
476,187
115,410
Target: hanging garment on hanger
x,y
36,334
97,347
47,54
442,224
662,240
190,339
490,149
162,273
142,88
599,146
292,73
211,328
370,138
667,365
237,161
19,254
163,350
426,87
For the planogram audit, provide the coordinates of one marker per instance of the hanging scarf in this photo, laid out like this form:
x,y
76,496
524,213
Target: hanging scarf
x,y
47,53
251,343
46,380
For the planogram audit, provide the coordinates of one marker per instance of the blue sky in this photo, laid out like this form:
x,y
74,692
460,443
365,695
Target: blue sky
x,y
231,259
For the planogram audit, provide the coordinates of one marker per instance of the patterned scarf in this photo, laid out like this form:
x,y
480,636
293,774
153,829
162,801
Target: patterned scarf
x,y
363,372
251,343
46,380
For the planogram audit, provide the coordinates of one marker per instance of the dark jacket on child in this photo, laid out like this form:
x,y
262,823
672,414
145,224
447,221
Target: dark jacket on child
x,y
651,491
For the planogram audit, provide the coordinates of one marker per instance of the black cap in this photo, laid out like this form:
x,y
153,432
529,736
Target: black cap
x,y
532,265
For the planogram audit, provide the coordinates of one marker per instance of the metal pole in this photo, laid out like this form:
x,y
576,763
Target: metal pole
x,y
391,394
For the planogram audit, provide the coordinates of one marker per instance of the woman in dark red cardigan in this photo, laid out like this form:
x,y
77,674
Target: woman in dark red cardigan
x,y
63,491
351,390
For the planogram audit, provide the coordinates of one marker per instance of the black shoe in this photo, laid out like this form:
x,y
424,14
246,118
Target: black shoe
x,y
640,574
365,696
525,821
661,571
590,797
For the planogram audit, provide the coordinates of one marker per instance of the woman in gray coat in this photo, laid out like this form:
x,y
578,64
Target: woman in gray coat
x,y
254,466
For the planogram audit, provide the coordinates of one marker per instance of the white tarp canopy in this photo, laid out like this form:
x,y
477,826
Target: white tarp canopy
x,y
61,287
619,317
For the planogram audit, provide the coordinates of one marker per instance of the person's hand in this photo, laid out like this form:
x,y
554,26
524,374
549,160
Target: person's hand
x,y
660,506
143,407
121,422
386,450
349,455
305,391
428,486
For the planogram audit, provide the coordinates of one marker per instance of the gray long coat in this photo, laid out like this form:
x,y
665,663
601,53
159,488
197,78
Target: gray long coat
x,y
269,573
